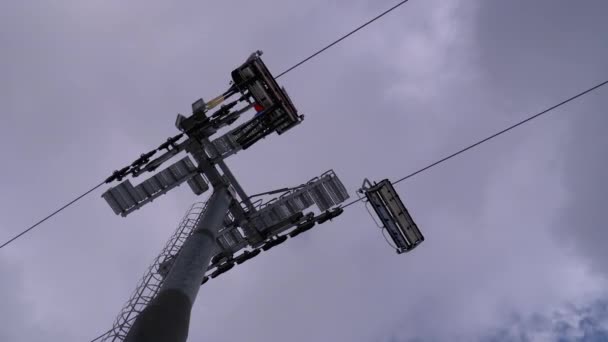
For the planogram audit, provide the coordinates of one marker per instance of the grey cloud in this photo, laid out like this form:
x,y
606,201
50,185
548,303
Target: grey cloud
x,y
106,80
556,47
571,323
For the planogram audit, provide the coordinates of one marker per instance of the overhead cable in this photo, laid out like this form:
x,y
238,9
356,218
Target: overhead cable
x,y
342,38
119,174
52,214
503,131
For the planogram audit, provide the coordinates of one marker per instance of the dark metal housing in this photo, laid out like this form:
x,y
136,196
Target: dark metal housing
x,y
394,216
277,112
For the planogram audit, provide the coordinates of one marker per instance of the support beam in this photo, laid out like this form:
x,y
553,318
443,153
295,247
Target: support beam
x,y
167,317
237,187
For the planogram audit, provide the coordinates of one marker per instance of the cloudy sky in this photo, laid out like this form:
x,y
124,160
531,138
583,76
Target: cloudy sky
x,y
514,230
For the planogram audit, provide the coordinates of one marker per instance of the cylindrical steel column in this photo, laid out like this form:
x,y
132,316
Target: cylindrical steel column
x,y
167,317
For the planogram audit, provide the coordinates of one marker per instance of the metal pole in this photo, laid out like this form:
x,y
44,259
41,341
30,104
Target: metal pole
x,y
167,317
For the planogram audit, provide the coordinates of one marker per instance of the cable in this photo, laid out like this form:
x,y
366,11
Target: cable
x,y
51,215
383,230
413,173
272,192
281,74
492,136
342,38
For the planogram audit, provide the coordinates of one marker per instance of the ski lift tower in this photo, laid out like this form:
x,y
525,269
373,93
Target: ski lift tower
x,y
229,228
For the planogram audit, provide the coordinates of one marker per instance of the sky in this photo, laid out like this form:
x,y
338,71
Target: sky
x,y
514,230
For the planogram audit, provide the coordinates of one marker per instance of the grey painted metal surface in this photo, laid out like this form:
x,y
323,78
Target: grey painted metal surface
x,y
255,87
172,282
192,261
167,316
198,185
152,280
232,181
325,192
165,319
124,198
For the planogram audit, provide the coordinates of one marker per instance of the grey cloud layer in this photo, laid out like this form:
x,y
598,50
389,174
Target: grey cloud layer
x,y
89,86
